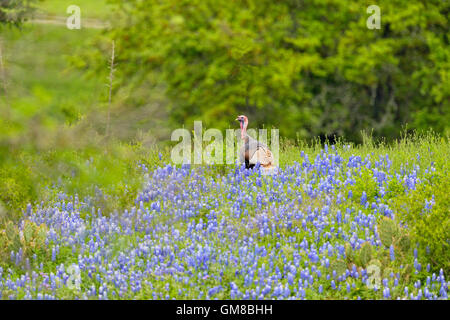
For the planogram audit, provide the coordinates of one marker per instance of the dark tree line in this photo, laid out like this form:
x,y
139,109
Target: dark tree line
x,y
14,12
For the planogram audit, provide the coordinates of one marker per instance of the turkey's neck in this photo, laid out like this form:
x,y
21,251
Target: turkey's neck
x,y
243,130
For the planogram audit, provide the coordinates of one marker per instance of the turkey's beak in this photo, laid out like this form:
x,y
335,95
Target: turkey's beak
x,y
237,119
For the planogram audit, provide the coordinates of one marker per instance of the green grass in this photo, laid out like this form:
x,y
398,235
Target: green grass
x,y
93,9
402,152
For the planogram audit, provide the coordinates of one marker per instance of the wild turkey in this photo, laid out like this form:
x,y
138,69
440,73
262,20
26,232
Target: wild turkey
x,y
253,151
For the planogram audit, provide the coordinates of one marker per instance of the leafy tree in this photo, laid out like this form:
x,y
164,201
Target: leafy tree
x,y
14,12
308,67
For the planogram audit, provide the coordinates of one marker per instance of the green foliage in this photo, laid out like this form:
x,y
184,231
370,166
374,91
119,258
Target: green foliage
x,y
340,266
406,272
403,244
12,236
392,234
429,227
375,262
365,254
31,239
310,68
387,271
37,103
17,185
395,187
14,12
386,230
365,182
34,236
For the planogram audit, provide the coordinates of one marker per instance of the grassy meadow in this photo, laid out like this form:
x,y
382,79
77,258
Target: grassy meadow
x,y
337,222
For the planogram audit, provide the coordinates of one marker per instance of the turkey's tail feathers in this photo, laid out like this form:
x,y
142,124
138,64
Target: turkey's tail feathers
x,y
263,156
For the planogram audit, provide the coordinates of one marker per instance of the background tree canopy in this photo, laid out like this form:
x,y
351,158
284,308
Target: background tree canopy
x,y
307,67
14,12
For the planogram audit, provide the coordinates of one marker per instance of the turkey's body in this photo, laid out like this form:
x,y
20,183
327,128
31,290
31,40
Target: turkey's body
x,y
253,151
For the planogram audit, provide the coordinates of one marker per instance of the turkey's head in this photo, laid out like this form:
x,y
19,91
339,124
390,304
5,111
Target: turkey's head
x,y
243,121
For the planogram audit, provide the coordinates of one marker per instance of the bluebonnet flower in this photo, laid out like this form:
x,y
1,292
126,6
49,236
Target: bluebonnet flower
x,y
443,292
207,236
391,252
363,198
386,293
333,285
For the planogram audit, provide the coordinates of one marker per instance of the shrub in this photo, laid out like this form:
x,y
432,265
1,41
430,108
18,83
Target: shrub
x,y
429,222
31,239
17,188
